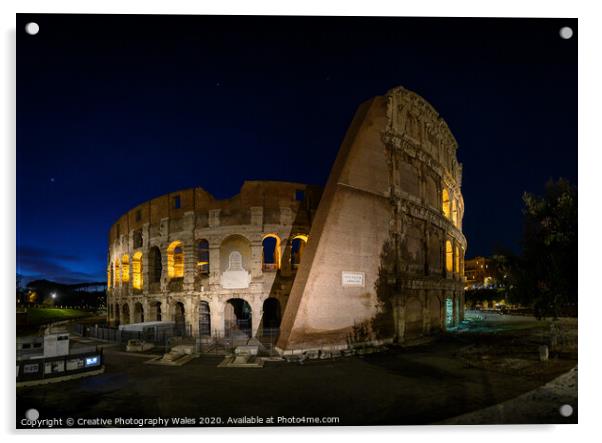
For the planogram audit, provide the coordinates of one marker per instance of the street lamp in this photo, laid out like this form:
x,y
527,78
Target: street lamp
x,y
53,295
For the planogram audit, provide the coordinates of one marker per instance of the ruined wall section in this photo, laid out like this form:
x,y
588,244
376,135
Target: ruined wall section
x,y
191,217
375,265
335,284
425,177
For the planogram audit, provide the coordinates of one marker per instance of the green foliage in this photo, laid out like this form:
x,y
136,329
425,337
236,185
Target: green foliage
x,y
545,275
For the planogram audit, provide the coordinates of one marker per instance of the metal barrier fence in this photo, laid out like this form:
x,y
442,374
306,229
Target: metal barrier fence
x,y
236,334
50,367
268,337
155,335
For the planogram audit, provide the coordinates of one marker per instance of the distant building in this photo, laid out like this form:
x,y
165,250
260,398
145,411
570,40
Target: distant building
x,y
478,273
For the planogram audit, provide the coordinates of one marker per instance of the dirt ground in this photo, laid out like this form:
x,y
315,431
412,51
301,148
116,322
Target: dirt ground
x,y
485,362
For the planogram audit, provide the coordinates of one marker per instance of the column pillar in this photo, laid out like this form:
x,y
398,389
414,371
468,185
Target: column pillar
x,y
164,274
216,309
189,265
256,316
285,261
190,315
256,262
214,265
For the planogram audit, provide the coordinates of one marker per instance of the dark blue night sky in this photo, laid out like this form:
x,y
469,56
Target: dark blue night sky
x,y
115,110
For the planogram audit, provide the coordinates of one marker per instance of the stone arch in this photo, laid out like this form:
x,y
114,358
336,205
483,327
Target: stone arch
x,y
237,318
137,264
270,252
298,243
155,264
138,313
272,313
175,260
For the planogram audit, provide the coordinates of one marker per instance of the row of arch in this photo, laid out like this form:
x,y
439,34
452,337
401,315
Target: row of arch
x,y
450,207
119,272
237,315
453,257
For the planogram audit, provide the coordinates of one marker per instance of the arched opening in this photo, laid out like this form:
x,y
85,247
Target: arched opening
x,y
446,203
117,315
237,318
297,247
156,267
126,314
117,274
180,319
125,269
449,256
204,319
137,270
271,252
110,312
155,311
271,314
138,313
175,260
109,277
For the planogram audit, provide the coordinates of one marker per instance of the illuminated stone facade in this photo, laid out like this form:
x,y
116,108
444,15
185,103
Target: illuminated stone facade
x,y
211,266
376,257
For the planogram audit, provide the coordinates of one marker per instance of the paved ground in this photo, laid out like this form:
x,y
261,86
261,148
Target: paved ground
x,y
541,404
421,385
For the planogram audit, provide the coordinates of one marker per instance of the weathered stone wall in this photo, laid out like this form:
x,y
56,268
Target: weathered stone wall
x,y
237,224
391,204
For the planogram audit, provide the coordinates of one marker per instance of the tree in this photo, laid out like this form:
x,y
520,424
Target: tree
x,y
545,275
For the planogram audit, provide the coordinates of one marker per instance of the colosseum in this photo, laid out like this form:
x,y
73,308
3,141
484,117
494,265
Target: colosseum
x,y
375,257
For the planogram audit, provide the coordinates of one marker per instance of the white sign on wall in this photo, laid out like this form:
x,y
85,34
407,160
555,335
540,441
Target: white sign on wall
x,y
353,279
235,277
